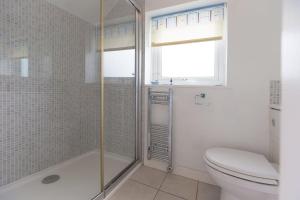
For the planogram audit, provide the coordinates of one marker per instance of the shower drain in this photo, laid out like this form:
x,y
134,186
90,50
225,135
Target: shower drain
x,y
50,179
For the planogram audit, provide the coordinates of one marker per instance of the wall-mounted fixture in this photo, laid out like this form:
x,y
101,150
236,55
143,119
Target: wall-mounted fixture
x,y
160,134
201,99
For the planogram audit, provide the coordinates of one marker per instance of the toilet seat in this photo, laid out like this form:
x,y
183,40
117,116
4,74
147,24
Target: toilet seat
x,y
243,165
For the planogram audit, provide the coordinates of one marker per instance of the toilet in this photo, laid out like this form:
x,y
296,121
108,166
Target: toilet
x,y
242,175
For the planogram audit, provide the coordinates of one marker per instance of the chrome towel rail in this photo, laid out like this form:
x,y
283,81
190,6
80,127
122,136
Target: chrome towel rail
x,y
160,135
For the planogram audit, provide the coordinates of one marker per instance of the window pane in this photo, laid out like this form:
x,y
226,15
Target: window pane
x,y
119,63
24,67
189,60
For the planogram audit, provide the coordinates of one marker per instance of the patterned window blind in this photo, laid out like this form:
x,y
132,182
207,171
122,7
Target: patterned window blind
x,y
202,24
119,36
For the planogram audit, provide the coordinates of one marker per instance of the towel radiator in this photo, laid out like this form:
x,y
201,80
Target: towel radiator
x,y
160,134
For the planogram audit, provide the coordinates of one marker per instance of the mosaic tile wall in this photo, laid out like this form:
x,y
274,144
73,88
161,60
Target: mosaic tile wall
x,y
50,94
275,92
47,111
275,103
119,123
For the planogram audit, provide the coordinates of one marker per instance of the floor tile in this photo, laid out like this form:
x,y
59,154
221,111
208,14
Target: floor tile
x,y
149,176
165,196
208,192
132,190
180,186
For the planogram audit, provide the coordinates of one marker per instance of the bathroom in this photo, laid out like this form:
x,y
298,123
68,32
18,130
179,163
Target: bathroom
x,y
149,99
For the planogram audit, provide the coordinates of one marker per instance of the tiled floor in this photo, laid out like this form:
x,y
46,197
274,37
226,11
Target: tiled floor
x,y
151,184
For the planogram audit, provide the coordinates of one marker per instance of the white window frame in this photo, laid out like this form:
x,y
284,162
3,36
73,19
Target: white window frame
x,y
218,79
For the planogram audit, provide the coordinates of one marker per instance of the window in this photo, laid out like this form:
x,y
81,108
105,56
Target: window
x,y
189,47
189,64
119,63
24,67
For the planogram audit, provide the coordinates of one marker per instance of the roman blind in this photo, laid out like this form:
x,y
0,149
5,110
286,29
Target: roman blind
x,y
119,36
202,24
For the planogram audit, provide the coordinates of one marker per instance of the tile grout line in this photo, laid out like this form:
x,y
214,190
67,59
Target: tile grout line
x,y
143,184
157,191
138,182
168,173
174,195
161,184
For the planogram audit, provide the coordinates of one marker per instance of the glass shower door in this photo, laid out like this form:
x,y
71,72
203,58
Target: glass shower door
x,y
49,100
120,87
50,97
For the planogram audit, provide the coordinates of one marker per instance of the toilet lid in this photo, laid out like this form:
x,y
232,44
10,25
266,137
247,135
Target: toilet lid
x,y
242,162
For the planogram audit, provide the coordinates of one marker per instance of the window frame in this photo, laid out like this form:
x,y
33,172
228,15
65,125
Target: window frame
x,y
154,68
217,79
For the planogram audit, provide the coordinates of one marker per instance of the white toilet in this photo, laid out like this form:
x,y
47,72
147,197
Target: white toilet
x,y
242,175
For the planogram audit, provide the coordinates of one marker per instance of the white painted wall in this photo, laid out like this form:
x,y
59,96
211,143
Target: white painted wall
x,y
159,4
238,115
290,142
89,10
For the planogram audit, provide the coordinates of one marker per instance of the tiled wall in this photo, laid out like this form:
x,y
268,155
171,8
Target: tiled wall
x,y
48,114
275,112
275,92
119,114
49,93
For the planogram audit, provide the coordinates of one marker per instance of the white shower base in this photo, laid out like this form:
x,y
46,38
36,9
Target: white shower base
x,y
79,179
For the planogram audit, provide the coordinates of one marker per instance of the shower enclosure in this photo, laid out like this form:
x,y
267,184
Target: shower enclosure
x,y
121,85
70,90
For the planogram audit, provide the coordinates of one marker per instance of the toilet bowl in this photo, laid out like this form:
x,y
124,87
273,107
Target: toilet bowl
x,y
242,175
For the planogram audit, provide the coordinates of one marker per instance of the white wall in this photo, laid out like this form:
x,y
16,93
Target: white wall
x,y
238,116
290,174
159,4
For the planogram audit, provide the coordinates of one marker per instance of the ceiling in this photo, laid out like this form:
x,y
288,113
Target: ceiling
x,y
89,10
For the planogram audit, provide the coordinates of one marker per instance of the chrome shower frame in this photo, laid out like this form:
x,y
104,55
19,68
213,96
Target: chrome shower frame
x,y
139,69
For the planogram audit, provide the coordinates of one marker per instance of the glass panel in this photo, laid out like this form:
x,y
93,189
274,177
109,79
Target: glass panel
x,y
112,65
119,87
49,100
199,62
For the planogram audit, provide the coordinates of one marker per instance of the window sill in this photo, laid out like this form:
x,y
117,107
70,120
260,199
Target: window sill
x,y
186,86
